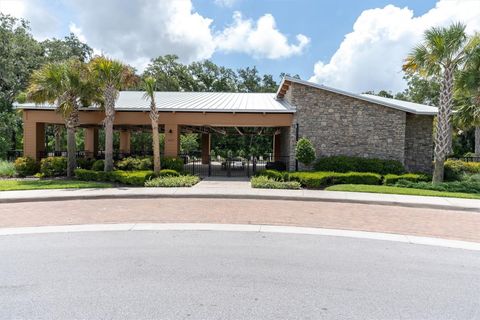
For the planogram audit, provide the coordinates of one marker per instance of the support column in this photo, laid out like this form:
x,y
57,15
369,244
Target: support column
x,y
206,142
125,141
33,139
91,142
277,147
172,140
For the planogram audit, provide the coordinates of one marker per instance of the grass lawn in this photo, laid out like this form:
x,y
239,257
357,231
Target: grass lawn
x,y
398,190
6,185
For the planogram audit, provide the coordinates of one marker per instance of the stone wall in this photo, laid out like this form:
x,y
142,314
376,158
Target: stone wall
x,y
419,143
341,125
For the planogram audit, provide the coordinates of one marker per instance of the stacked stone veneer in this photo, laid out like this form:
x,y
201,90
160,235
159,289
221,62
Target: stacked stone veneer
x,y
341,125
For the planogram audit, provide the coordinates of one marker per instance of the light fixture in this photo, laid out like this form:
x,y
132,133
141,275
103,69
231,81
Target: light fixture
x,y
170,131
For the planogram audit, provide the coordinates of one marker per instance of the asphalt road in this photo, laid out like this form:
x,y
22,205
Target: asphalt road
x,y
232,275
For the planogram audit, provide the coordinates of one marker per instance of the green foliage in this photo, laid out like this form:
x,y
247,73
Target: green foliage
x,y
53,166
265,182
98,165
7,169
136,178
132,163
87,163
172,163
56,50
305,153
172,181
390,179
26,166
456,169
358,164
168,173
274,175
454,186
317,180
189,143
6,185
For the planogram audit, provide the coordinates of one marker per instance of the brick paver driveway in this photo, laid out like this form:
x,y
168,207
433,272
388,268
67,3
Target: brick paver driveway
x,y
375,218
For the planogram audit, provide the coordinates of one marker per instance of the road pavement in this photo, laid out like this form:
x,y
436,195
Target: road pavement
x,y
232,275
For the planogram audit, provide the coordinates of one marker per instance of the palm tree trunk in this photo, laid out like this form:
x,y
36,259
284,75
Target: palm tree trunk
x,y
110,97
477,141
443,133
156,147
71,151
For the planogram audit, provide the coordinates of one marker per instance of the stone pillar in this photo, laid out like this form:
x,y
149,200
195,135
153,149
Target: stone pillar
x,y
277,147
206,141
91,142
33,139
172,140
125,141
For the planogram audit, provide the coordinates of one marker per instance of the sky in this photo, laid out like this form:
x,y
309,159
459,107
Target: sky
x,y
355,45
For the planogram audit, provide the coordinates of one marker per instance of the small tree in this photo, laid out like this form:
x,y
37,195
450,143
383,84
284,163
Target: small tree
x,y
305,153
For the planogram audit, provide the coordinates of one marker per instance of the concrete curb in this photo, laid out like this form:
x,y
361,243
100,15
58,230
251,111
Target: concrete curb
x,y
437,242
239,196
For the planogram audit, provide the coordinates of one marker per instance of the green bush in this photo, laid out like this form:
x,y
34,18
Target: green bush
x,y
455,169
53,166
136,178
98,165
305,153
274,175
358,164
26,166
168,173
131,164
390,179
265,182
170,182
317,180
454,186
83,163
172,163
7,169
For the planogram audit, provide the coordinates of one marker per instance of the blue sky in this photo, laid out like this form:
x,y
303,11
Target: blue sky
x,y
355,45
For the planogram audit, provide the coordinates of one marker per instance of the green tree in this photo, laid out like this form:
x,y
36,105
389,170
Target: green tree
x,y
66,85
149,87
441,53
305,153
56,50
170,75
268,84
110,76
189,143
249,80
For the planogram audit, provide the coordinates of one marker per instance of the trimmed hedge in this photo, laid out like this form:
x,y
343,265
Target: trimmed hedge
x,y
86,163
455,186
358,164
98,165
136,178
391,179
53,166
455,169
168,173
265,182
172,163
133,164
171,182
7,169
274,175
26,166
316,180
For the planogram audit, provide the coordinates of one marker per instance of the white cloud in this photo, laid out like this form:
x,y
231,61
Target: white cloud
x,y
371,57
261,39
225,3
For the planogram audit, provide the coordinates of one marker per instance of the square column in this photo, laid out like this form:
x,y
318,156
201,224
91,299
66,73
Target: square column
x,y
277,147
172,140
91,142
125,141
33,139
206,142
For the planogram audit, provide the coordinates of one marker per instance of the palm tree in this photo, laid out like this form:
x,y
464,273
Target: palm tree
x,y
149,87
468,95
442,52
67,85
111,76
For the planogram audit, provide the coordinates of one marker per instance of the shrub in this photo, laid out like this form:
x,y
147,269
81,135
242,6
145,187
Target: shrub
x,y
98,165
53,166
168,173
136,178
7,169
131,164
85,163
172,163
276,165
26,166
454,186
274,175
316,180
169,182
358,164
265,182
455,169
305,153
390,179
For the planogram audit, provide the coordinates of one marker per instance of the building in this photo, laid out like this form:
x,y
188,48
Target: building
x,y
337,122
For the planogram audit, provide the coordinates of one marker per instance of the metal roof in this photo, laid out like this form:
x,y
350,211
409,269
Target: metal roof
x,y
194,102
410,107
